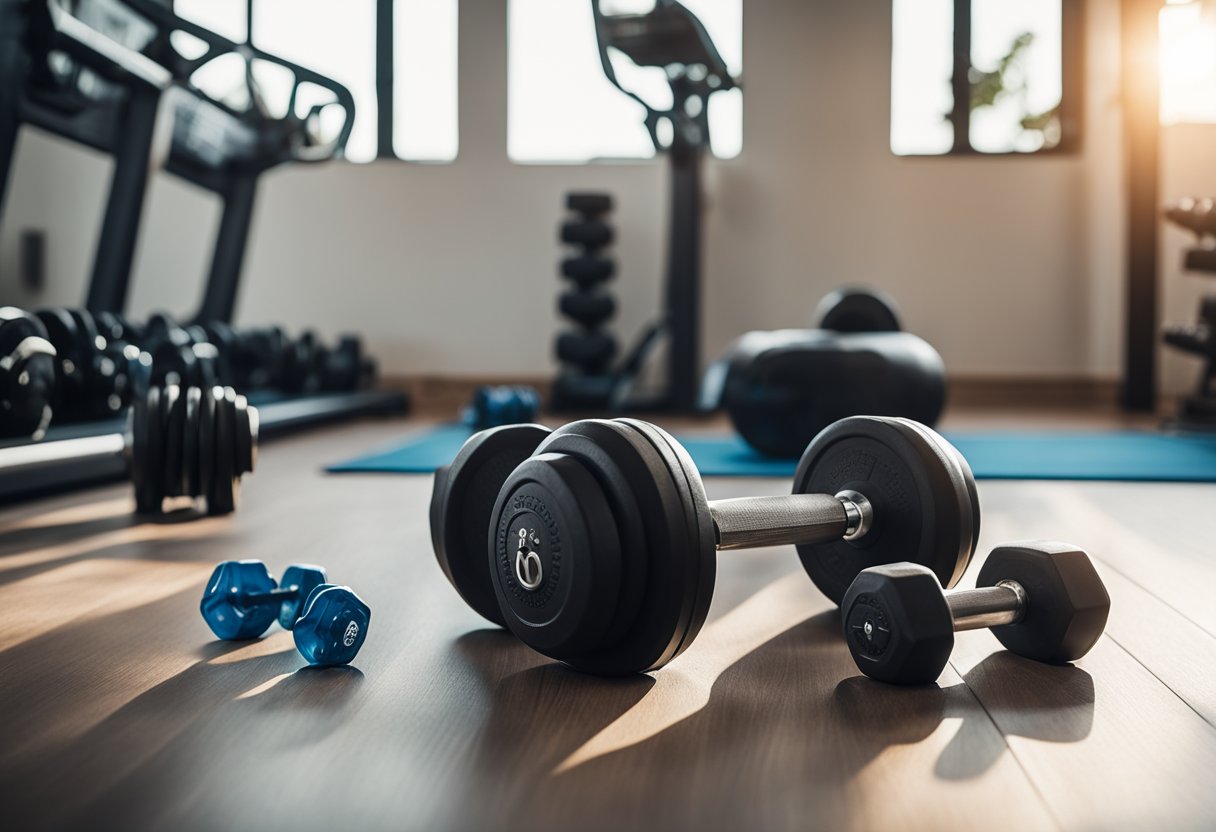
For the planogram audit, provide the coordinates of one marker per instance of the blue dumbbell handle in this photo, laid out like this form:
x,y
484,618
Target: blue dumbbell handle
x,y
256,599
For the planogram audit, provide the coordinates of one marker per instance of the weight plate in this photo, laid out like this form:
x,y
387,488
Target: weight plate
x,y
190,443
591,234
245,435
149,499
586,349
462,504
587,308
589,204
206,443
174,405
699,569
553,525
925,505
588,270
222,498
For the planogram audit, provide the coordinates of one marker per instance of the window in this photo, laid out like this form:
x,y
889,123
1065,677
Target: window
x,y
1188,62
416,64
561,107
983,76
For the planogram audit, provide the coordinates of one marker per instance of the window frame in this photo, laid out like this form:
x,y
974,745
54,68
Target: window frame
x,y
384,86
1072,85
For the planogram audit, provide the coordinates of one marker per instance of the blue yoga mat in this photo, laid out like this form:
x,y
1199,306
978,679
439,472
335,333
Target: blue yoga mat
x,y
1003,455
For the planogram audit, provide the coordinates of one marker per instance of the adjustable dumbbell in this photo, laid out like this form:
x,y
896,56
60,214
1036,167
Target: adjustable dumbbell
x,y
595,543
180,442
27,374
1043,600
329,622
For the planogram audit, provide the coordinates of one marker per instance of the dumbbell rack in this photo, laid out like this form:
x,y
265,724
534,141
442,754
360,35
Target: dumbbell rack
x,y
585,352
1197,410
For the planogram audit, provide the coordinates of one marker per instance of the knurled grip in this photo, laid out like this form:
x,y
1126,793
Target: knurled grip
x,y
797,519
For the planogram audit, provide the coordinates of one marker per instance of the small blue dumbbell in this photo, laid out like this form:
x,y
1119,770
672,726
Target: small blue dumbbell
x,y
242,601
493,406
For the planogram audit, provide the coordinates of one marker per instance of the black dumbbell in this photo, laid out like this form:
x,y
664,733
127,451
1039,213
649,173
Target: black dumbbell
x,y
27,374
92,380
595,543
329,622
857,309
180,442
1042,600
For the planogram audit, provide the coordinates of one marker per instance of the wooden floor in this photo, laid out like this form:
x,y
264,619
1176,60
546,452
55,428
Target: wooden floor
x,y
118,710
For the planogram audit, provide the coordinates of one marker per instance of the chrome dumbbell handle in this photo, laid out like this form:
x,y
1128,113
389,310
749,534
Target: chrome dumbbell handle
x,y
989,606
793,519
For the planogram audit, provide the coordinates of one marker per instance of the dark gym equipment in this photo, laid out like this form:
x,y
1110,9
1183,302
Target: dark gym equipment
x,y
329,622
494,406
96,377
1043,600
857,309
108,75
27,374
179,442
586,379
1198,409
782,387
672,38
594,543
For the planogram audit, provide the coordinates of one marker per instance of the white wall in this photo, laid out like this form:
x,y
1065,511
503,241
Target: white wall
x,y
1011,267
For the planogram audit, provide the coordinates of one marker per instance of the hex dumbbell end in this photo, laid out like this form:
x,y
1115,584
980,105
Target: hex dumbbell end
x,y
332,626
1066,602
897,624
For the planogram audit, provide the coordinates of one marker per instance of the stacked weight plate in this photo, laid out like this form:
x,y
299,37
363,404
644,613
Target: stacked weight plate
x,y
586,349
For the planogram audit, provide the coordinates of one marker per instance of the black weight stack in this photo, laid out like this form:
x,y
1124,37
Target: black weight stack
x,y
586,349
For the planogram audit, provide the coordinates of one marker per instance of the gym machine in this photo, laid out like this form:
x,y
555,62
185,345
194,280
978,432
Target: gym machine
x,y
1198,409
672,38
129,78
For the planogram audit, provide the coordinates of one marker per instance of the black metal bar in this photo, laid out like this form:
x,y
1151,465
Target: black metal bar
x,y
384,79
1072,72
128,186
13,70
960,80
231,242
684,277
1141,123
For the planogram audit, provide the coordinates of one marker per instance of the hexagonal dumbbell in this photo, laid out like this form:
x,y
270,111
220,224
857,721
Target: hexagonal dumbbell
x,y
329,622
1043,600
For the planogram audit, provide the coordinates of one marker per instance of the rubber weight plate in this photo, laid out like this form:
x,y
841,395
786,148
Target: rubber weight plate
x,y
221,499
589,203
926,509
588,270
591,234
588,350
462,502
587,308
